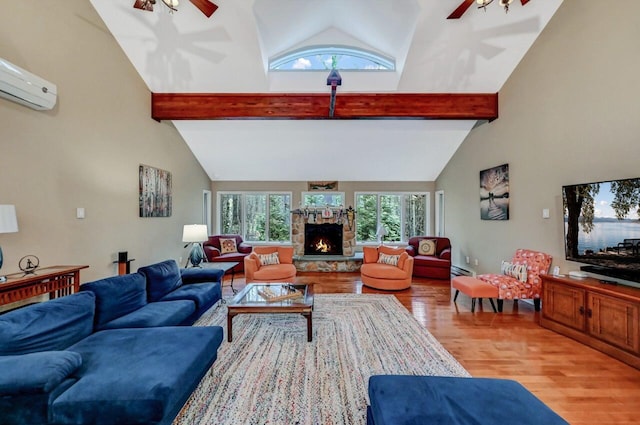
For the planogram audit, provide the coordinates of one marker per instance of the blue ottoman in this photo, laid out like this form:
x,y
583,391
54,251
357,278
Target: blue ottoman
x,y
414,400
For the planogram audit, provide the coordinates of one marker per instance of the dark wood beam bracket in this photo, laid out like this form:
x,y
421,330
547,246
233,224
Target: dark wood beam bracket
x,y
227,106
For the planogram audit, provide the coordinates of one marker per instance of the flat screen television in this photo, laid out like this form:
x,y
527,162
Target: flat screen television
x,y
602,227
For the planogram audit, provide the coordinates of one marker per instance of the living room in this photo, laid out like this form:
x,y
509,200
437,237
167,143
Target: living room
x,y
567,115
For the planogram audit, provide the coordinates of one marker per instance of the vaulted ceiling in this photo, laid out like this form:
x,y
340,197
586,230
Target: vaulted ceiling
x,y
185,52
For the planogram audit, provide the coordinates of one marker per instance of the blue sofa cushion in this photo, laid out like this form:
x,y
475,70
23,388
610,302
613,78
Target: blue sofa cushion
x,y
162,278
117,296
36,372
201,275
203,294
48,326
30,408
170,313
404,400
137,376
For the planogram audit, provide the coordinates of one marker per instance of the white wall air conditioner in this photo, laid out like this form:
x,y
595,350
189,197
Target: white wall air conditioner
x,y
23,87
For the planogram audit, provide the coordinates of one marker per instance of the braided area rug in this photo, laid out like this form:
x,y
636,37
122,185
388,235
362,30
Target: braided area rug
x,y
270,374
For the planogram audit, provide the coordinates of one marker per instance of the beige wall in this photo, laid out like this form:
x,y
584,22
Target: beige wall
x,y
296,189
86,151
568,114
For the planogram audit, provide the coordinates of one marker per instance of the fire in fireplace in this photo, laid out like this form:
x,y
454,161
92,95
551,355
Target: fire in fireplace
x,y
323,239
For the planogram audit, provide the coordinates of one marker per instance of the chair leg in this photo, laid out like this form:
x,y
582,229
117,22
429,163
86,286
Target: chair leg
x,y
536,304
455,297
493,305
500,304
473,305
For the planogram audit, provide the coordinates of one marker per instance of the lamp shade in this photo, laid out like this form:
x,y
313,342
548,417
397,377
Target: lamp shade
x,y
195,233
8,219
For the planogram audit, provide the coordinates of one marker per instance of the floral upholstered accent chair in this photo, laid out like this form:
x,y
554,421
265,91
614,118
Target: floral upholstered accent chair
x,y
520,278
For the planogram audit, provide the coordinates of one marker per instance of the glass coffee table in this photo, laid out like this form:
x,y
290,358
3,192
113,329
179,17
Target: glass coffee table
x,y
263,298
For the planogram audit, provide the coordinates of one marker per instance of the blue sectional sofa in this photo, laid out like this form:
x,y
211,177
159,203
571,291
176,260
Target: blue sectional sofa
x,y
114,353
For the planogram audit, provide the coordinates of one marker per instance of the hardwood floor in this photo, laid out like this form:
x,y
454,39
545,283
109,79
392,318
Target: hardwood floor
x,y
582,385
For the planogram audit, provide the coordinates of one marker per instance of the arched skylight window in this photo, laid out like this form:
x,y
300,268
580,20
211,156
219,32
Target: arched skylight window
x,y
329,57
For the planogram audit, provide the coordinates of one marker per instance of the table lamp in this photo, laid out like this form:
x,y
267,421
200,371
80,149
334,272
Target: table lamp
x,y
195,234
8,224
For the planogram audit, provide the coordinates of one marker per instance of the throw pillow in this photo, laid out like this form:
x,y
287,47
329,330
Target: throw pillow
x,y
518,271
427,247
392,260
228,246
269,259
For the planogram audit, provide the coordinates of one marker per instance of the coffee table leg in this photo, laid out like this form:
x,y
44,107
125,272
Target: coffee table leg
x,y
233,274
309,326
230,327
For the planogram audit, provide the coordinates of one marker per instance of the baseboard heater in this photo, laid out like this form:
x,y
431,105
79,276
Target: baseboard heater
x,y
459,271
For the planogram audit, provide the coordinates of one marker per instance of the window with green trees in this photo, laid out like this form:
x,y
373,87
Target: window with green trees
x,y
257,217
322,199
403,215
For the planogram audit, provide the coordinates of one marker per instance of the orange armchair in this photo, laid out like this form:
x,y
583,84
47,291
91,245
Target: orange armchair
x,y
270,264
379,271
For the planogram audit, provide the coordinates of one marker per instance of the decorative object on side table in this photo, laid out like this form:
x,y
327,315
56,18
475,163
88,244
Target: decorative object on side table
x,y
28,264
8,224
195,234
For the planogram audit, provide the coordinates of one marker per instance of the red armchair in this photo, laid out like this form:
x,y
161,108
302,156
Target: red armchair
x,y
435,266
213,250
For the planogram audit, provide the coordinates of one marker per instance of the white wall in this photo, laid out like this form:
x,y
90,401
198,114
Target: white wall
x,y
86,151
568,114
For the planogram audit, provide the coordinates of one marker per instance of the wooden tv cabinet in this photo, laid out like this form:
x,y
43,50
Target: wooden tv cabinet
x,y
602,316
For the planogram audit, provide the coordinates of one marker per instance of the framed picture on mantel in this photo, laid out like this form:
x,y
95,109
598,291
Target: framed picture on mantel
x,y
494,193
155,192
323,185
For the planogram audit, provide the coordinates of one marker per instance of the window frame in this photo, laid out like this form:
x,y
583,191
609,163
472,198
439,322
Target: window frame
x,y
387,62
321,192
403,194
243,212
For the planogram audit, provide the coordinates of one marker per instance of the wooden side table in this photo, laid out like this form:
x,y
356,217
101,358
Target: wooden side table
x,y
55,281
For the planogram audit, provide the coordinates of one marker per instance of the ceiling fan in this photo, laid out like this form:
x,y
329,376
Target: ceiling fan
x,y
482,4
205,6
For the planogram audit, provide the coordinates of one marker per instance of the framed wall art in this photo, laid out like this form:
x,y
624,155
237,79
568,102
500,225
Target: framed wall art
x,y
155,192
323,185
494,193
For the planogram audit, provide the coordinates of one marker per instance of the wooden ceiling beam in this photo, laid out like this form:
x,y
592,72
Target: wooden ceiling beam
x,y
226,106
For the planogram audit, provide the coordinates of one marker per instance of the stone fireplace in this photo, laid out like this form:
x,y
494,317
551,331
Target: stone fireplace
x,y
302,229
323,239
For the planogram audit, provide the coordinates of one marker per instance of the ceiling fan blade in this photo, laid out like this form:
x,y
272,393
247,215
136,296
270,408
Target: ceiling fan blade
x,y
461,9
143,5
205,6
524,2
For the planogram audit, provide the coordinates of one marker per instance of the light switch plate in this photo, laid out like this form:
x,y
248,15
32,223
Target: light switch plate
x,y
79,212
545,213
